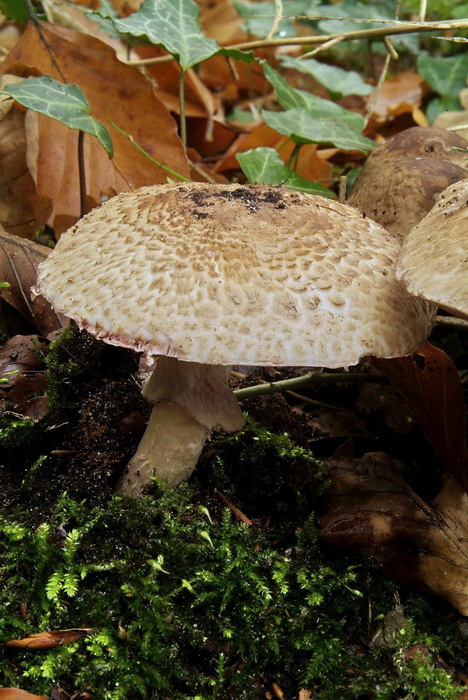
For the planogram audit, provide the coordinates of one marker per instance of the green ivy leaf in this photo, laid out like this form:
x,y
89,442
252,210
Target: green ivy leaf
x,y
16,10
311,119
338,81
259,16
65,103
263,166
447,76
172,24
303,126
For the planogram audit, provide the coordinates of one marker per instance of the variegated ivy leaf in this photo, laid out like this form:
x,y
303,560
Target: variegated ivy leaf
x,y
65,103
263,166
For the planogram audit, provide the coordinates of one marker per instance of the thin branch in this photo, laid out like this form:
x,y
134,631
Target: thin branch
x,y
82,172
277,20
315,40
452,322
183,120
308,381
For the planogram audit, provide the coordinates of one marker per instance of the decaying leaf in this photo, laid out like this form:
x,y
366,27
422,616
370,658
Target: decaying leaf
x,y
23,377
47,640
373,510
128,99
18,694
19,259
22,210
430,383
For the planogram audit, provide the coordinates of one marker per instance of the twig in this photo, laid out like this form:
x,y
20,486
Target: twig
x,y
277,20
315,40
202,172
82,172
183,121
234,509
452,322
308,381
147,155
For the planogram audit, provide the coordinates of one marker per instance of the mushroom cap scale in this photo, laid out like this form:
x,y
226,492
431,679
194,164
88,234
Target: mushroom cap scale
x,y
232,274
433,262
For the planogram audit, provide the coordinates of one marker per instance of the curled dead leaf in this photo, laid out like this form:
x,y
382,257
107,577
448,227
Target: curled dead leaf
x,y
47,640
372,509
19,259
430,383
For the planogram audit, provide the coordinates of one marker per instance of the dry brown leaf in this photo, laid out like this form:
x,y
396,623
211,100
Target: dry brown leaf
x,y
430,383
371,509
22,210
407,88
19,259
47,640
127,98
17,694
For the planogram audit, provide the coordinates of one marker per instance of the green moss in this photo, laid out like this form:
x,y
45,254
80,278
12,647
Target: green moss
x,y
188,602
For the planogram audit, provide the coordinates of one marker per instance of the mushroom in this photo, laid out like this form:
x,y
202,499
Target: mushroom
x,y
399,181
433,262
207,276
419,142
400,194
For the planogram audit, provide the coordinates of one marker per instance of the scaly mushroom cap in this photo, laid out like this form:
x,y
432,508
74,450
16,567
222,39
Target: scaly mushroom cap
x,y
433,262
231,274
400,195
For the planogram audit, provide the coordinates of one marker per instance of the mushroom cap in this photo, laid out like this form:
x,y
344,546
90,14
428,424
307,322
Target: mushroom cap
x,y
401,192
433,262
420,142
232,274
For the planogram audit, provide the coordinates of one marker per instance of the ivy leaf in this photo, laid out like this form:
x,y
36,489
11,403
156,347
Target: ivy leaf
x,y
16,10
259,16
324,127
172,24
65,103
263,166
447,76
338,81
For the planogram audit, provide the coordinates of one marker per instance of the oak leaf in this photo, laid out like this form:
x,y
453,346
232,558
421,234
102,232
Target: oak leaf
x,y
115,91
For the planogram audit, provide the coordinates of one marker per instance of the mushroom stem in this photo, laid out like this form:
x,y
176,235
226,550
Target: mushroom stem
x,y
191,400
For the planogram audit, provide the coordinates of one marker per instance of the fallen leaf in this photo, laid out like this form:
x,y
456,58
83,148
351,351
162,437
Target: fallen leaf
x,y
19,259
128,99
22,210
17,694
372,509
431,385
407,88
47,640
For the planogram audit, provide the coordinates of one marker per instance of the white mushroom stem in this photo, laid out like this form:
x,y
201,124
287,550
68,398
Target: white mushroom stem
x,y
190,401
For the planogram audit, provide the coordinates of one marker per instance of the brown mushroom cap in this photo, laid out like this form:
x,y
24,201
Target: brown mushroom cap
x,y
433,262
231,274
420,142
400,193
